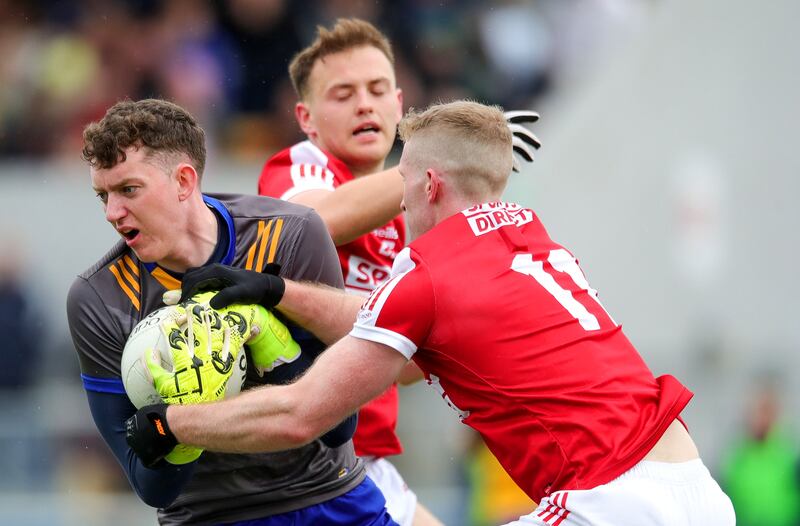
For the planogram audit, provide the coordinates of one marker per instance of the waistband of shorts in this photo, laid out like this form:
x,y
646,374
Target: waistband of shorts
x,y
674,472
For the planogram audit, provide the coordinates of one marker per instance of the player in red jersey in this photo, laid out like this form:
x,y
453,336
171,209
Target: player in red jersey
x,y
349,108
504,324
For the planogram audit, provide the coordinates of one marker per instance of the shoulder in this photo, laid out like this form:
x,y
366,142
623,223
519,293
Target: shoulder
x,y
119,250
242,207
285,226
93,283
105,283
300,168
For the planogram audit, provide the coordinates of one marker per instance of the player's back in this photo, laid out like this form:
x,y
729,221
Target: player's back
x,y
523,349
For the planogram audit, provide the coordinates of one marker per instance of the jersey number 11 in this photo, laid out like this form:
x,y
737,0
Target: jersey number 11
x,y
561,261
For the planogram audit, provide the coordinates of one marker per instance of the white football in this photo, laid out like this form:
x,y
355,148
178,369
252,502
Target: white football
x,y
148,335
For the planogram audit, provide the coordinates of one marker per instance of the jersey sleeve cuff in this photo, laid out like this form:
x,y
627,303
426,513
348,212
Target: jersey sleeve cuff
x,y
396,341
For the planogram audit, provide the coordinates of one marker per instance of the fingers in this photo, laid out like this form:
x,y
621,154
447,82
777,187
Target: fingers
x,y
226,342
524,135
171,297
272,268
519,116
523,141
194,287
199,279
229,296
523,151
153,368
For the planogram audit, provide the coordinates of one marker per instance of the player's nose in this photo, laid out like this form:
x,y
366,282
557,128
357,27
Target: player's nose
x,y
364,102
114,209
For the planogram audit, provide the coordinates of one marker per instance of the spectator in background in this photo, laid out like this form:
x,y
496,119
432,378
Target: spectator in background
x,y
24,456
494,498
760,472
21,333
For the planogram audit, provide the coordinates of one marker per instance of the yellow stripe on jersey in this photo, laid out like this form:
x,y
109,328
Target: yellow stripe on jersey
x,y
131,265
165,279
127,275
251,254
273,247
125,288
262,247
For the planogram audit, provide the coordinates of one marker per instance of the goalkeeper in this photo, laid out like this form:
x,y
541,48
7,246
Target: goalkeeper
x,y
147,159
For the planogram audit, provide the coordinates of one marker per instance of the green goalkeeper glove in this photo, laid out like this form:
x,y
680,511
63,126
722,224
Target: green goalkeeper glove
x,y
268,339
203,357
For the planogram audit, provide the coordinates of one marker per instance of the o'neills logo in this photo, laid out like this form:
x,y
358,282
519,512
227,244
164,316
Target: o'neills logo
x,y
387,232
491,216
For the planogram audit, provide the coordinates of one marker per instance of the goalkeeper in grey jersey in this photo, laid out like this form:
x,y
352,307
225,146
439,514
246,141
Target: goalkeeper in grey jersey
x,y
147,158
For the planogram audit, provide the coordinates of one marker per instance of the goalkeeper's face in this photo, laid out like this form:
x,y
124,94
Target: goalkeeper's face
x,y
144,201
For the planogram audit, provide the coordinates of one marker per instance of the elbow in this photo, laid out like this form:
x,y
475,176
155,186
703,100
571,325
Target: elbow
x,y
301,420
298,434
306,427
339,238
157,497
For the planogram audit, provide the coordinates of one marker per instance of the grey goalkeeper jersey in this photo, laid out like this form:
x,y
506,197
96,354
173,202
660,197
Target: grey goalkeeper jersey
x,y
109,299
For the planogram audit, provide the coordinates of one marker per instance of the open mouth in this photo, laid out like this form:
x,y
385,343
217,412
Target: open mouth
x,y
366,128
130,234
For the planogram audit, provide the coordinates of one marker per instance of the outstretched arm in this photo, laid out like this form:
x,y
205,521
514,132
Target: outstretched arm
x,y
358,206
275,418
326,312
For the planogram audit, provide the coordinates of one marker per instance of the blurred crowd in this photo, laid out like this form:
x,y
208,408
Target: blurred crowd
x,y
65,62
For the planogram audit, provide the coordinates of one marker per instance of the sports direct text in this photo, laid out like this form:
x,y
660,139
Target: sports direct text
x,y
491,216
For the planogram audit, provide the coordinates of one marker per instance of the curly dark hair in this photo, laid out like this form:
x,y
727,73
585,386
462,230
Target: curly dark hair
x,y
158,125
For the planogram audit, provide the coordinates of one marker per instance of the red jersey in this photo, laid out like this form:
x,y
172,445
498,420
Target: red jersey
x,y
366,263
504,325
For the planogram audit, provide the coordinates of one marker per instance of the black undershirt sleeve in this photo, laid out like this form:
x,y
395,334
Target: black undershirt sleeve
x,y
156,487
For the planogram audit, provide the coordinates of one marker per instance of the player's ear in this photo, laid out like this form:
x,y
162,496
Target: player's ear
x,y
188,180
399,104
303,116
434,185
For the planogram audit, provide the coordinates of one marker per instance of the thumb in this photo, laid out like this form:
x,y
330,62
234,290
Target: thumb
x,y
152,362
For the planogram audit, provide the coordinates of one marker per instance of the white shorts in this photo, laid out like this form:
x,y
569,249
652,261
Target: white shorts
x,y
400,501
650,493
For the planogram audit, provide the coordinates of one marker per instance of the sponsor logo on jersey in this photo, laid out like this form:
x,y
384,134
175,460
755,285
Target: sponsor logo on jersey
x,y
364,275
487,217
387,232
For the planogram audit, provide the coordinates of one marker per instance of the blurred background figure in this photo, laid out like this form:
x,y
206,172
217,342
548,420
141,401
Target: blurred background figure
x,y
494,499
23,445
761,471
21,326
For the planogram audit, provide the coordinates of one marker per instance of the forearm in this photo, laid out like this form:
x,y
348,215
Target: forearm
x,y
362,205
326,312
274,418
259,420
